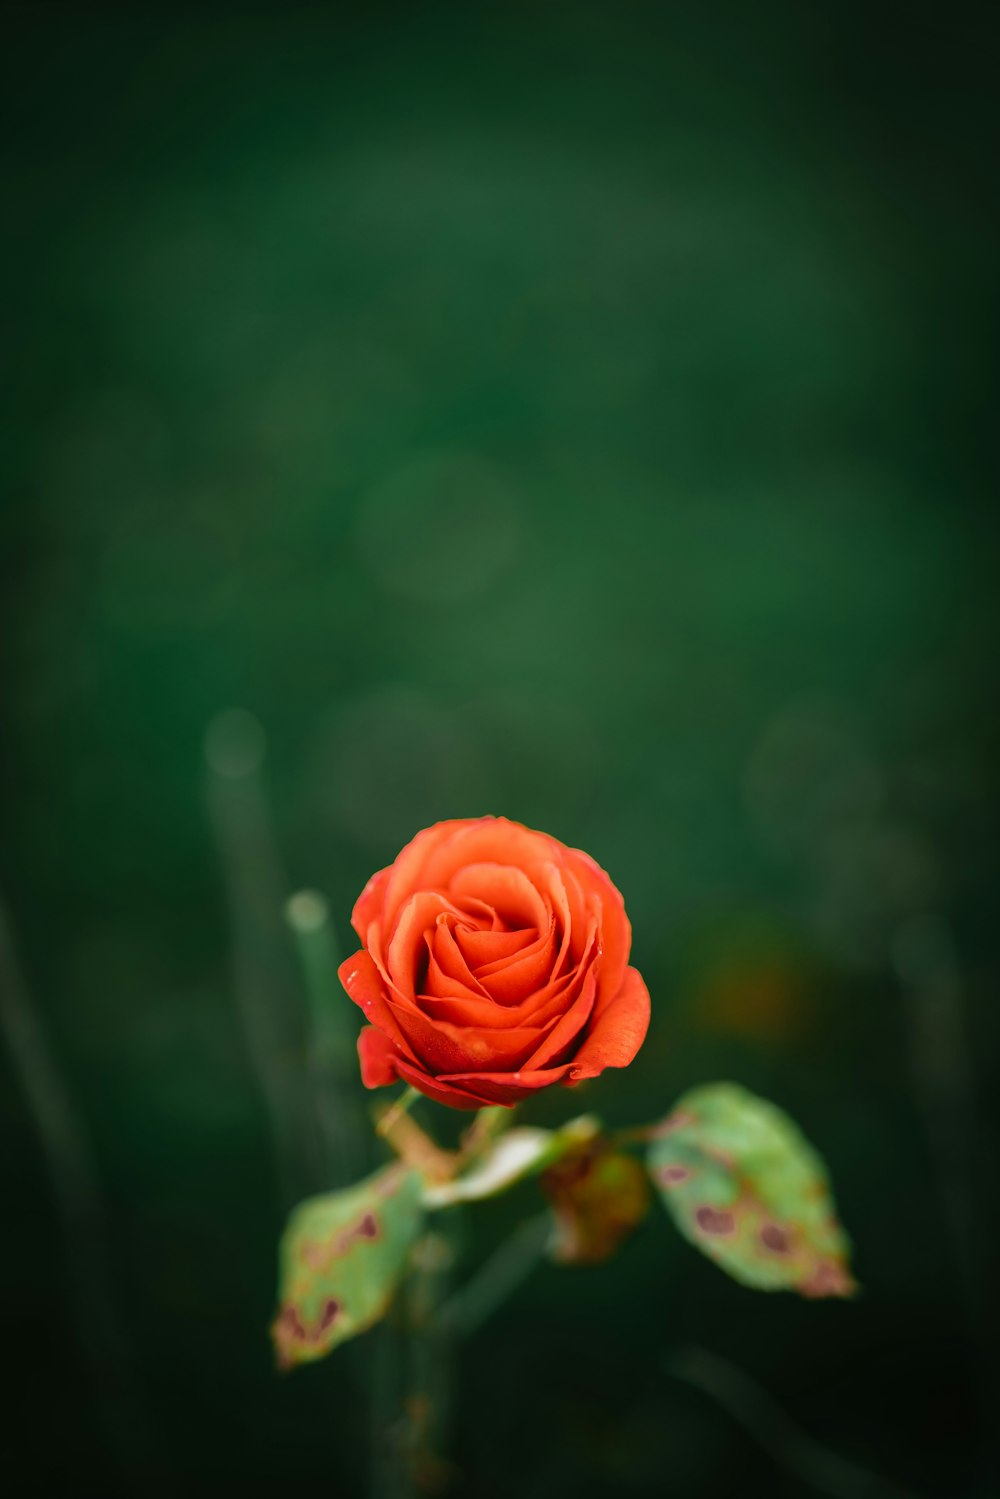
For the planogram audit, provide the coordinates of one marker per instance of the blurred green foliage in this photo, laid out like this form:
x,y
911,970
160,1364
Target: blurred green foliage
x,y
577,413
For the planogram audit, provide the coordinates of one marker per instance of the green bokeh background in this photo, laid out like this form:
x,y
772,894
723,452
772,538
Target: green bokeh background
x,y
577,413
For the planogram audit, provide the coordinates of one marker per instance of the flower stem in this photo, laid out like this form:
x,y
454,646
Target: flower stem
x,y
484,1129
403,1104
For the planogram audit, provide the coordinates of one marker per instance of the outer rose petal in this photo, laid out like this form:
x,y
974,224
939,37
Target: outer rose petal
x,y
378,1058
508,1088
381,1064
368,906
616,929
406,873
488,840
363,982
443,1092
441,1048
567,1028
618,1031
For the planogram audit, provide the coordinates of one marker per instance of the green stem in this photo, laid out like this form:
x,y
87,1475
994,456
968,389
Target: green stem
x,y
395,1112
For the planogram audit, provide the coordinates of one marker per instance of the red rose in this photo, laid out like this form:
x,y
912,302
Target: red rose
x,y
495,963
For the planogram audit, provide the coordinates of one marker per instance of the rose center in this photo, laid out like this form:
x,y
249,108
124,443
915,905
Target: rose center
x,y
481,949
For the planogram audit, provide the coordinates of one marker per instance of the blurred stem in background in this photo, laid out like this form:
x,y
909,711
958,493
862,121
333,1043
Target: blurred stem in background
x,y
875,883
389,1469
346,1150
764,1421
438,1321
416,1352
268,998
345,1132
497,1278
69,1157
322,1136
432,1356
925,958
926,965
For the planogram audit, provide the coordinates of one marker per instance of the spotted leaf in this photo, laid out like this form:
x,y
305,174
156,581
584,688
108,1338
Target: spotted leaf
x,y
341,1258
744,1185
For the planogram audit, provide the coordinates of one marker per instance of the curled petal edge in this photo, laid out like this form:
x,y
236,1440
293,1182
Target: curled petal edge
x,y
616,1032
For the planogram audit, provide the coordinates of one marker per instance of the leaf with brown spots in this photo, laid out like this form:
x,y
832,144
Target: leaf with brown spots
x,y
341,1258
744,1185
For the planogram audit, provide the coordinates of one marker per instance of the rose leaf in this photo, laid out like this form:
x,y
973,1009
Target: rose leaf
x,y
743,1184
341,1257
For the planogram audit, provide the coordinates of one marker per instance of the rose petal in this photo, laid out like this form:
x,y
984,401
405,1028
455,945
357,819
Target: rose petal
x,y
521,976
581,912
378,1058
368,906
479,911
508,1087
450,961
480,948
440,985
605,900
418,915
535,942
442,1092
547,879
488,840
564,1033
445,1048
617,1032
553,999
405,874
364,984
374,946
509,891
466,1009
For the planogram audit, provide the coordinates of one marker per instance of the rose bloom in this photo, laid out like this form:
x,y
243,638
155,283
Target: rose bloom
x,y
494,963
